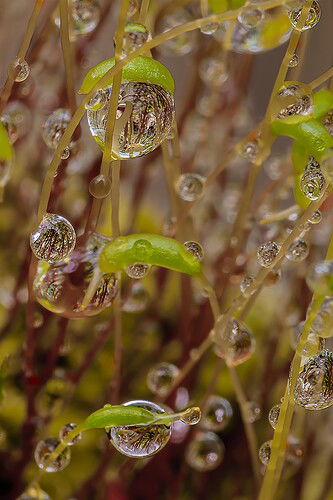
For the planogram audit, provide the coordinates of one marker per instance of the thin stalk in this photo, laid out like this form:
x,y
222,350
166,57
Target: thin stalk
x,y
115,198
68,53
144,11
12,71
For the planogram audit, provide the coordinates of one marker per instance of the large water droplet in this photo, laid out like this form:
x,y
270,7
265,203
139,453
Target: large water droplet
x,y
43,451
216,413
54,239
190,186
312,19
161,377
267,253
205,452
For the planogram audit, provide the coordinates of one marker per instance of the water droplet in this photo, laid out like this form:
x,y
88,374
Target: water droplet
x,y
209,28
34,492
250,150
140,441
66,153
237,343
137,299
195,249
205,452
293,99
182,44
265,452
313,344
297,251
245,285
149,121
312,19
137,271
85,16
314,386
100,186
54,127
213,71
61,287
294,451
252,411
313,180
135,35
273,415
189,186
320,277
65,430
23,70
216,414
294,60
38,319
97,101
267,253
323,323
161,377
54,239
43,451
315,218
191,416
250,18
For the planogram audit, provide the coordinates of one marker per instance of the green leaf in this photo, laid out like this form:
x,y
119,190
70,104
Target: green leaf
x,y
141,69
6,150
118,415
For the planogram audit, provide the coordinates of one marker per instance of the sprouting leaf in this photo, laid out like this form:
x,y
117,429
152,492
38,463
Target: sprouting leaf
x,y
109,416
6,149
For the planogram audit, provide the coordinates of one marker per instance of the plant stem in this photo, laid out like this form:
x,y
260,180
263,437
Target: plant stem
x,y
68,55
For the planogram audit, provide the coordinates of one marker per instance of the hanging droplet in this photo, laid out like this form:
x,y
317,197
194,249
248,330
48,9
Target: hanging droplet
x,y
313,344
315,218
137,271
23,70
54,127
100,186
189,186
273,415
161,377
323,323
267,253
212,71
16,119
314,386
85,16
66,153
294,60
97,101
312,19
320,277
250,150
43,451
195,249
38,320
65,430
237,343
54,239
135,35
191,416
313,180
250,18
216,414
137,299
252,411
205,452
265,452
34,492
149,122
297,251
61,287
245,286
209,28
140,441
293,99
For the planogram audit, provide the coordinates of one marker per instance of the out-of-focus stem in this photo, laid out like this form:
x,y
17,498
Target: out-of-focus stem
x,y
68,55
